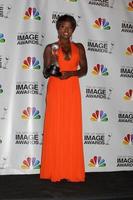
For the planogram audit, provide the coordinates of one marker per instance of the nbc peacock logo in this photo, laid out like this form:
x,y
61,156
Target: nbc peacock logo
x,y
31,63
129,50
97,161
30,163
130,6
98,116
128,139
2,39
128,96
74,1
100,70
1,90
101,23
32,13
30,113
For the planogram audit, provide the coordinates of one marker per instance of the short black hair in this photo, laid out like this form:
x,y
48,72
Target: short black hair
x,y
66,18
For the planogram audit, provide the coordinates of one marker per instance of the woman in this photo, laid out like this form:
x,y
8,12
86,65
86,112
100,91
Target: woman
x,y
62,152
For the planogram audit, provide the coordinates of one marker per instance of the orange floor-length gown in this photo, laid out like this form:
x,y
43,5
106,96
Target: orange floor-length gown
x,y
62,151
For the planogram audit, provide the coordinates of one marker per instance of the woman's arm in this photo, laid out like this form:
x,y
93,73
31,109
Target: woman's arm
x,y
82,62
46,60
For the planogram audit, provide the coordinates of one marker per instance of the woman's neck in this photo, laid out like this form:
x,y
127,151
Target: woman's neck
x,y
64,41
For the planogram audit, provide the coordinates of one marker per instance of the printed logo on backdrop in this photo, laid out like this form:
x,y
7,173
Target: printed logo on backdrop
x,y
100,69
4,60
73,1
126,71
127,27
103,3
101,24
100,46
128,96
97,138
57,14
97,161
2,38
31,63
28,138
99,116
129,50
98,92
3,162
125,116
124,161
130,6
3,113
26,87
34,38
5,10
0,140
128,139
32,13
30,163
1,89
30,113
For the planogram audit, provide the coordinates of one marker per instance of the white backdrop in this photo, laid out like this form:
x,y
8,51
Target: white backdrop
x,y
105,27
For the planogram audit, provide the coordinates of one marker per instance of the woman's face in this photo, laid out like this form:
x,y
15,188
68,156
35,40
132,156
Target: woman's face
x,y
65,30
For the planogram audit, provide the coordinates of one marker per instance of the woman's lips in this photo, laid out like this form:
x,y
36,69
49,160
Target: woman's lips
x,y
66,34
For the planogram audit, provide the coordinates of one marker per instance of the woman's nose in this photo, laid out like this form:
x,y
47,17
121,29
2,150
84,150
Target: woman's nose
x,y
66,29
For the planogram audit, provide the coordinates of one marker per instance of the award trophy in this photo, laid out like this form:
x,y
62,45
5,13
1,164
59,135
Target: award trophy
x,y
54,69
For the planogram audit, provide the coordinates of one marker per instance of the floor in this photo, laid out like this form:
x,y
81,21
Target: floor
x,y
98,186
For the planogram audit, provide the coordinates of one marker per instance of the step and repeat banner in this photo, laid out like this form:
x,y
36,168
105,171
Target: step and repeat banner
x,y
105,27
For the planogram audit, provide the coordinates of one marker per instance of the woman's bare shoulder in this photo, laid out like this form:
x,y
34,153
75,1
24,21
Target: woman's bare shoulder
x,y
48,46
79,45
48,49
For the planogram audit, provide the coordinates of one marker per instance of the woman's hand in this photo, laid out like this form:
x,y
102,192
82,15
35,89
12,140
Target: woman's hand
x,y
66,75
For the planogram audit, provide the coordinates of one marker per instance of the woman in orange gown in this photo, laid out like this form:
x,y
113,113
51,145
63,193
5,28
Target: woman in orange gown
x,y
62,151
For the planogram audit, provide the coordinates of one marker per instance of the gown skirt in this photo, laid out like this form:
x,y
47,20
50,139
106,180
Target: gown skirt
x,y
62,150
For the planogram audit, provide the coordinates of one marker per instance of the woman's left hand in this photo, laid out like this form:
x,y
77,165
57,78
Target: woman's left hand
x,y
66,75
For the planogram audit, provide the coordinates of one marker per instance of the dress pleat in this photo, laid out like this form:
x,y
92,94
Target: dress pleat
x,y
62,151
